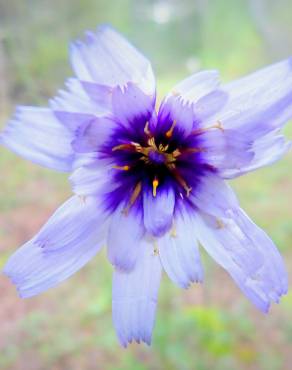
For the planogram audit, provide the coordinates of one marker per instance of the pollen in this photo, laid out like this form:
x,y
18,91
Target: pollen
x,y
155,184
169,133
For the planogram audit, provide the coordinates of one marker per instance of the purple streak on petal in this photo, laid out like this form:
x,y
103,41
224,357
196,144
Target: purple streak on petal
x,y
71,237
135,297
35,134
179,252
158,211
125,232
107,58
247,253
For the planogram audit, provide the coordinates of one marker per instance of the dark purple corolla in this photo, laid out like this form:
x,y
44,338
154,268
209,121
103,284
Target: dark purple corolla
x,y
151,186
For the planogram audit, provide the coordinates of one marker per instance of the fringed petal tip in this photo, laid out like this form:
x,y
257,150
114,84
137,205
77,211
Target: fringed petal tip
x,y
135,298
107,58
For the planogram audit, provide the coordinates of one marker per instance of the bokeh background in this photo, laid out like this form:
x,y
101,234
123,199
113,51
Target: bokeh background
x,y
205,327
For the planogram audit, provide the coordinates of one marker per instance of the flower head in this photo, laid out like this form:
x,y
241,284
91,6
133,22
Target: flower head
x,y
151,186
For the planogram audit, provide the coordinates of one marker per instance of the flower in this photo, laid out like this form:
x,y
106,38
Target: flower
x,y
151,185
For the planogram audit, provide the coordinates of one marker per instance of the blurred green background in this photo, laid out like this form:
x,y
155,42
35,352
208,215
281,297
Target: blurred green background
x,y
205,327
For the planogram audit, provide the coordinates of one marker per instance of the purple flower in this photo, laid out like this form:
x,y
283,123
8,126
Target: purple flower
x,y
151,186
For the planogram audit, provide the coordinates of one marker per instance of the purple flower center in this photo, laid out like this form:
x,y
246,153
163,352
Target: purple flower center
x,y
158,160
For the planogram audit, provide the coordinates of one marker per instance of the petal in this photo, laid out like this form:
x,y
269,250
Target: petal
x,y
131,105
179,252
135,297
92,134
196,86
71,237
158,211
191,101
123,241
36,134
264,151
78,98
93,179
269,89
247,253
107,58
258,107
214,196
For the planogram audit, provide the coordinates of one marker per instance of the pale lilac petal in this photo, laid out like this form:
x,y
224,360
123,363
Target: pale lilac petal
x,y
130,104
193,88
268,89
35,134
214,196
179,252
191,101
135,296
158,211
258,107
124,237
78,98
92,134
71,237
247,253
265,151
93,179
107,58
210,104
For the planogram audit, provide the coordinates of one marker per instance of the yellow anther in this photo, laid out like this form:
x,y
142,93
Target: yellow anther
x,y
155,184
170,131
122,168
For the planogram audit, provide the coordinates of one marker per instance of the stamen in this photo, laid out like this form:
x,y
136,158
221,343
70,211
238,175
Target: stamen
x,y
122,147
134,197
183,183
122,168
217,125
194,150
146,130
176,153
169,133
155,184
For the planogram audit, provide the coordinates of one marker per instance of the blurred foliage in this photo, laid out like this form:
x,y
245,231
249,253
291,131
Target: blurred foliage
x,y
203,328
